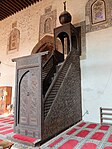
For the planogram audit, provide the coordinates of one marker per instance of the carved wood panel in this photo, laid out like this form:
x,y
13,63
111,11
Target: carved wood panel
x,y
28,94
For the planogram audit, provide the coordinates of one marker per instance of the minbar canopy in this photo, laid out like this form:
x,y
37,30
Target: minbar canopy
x,y
9,7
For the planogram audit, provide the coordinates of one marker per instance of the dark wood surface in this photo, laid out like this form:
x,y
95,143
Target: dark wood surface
x,y
9,7
105,114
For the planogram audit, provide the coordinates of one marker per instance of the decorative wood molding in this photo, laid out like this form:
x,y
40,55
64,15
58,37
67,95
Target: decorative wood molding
x,y
82,25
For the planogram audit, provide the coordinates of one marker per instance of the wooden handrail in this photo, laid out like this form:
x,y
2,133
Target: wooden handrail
x,y
105,112
106,109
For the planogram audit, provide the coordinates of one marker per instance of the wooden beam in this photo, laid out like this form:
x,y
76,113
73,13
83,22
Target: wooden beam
x,y
25,2
5,12
6,7
14,6
9,7
1,17
22,3
108,109
29,2
17,4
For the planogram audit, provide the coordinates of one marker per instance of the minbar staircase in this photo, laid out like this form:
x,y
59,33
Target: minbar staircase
x,y
62,100
56,84
49,69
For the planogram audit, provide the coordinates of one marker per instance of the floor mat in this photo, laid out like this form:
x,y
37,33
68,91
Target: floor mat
x,y
84,135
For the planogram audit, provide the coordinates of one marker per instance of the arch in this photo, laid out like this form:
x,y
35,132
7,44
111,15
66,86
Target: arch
x,y
98,11
46,41
98,15
48,25
65,41
46,44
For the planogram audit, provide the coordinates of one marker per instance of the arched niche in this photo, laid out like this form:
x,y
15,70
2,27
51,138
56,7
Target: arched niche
x,y
14,39
48,25
65,43
98,11
98,15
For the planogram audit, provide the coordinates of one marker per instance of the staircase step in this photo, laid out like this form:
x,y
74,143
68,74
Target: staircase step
x,y
53,92
51,96
48,103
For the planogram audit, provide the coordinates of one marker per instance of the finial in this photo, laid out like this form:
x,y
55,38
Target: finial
x,y
65,16
64,5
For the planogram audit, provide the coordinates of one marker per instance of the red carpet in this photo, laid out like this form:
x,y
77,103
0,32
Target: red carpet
x,y
110,138
11,115
1,140
1,125
71,131
7,132
83,133
4,128
108,147
12,122
89,146
81,124
6,121
91,126
70,144
24,138
104,127
55,142
3,119
98,136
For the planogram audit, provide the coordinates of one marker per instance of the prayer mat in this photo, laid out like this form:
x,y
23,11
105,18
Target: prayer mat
x,y
84,135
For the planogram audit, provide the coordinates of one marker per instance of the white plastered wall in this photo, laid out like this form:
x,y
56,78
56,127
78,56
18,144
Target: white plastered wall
x,y
97,74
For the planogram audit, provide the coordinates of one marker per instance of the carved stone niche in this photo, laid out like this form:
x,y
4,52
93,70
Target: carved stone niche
x,y
28,96
98,15
47,22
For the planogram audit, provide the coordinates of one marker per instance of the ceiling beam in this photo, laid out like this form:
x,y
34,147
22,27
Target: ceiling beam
x,y
9,7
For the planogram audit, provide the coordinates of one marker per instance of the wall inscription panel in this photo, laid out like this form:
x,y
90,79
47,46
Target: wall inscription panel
x,y
14,39
98,11
47,22
98,15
